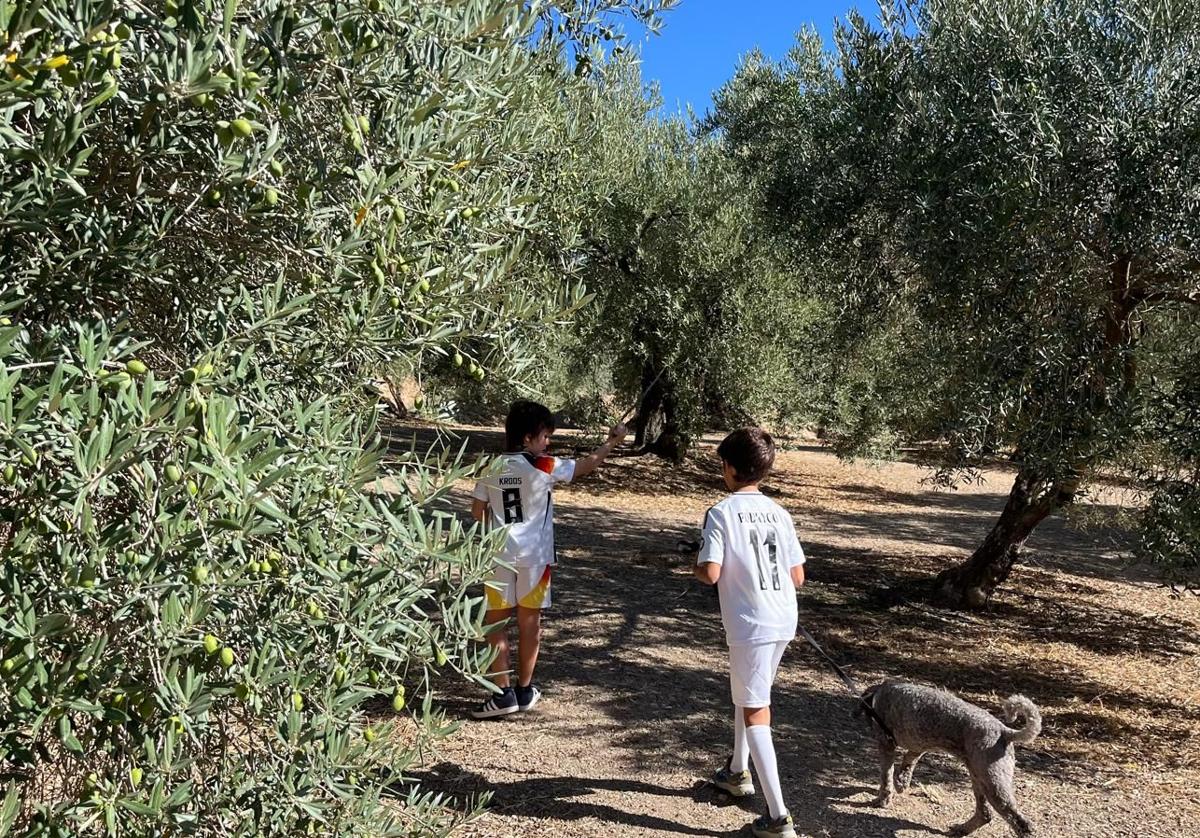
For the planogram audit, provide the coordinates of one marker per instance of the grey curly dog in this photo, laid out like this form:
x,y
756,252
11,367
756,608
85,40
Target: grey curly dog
x,y
926,719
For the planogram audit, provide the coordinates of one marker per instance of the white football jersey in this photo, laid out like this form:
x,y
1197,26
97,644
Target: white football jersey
x,y
754,540
520,498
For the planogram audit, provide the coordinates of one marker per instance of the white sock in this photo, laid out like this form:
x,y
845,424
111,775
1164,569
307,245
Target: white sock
x,y
762,749
740,761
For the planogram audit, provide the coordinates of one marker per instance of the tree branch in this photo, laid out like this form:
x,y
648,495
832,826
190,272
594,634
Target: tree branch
x,y
1169,297
626,259
1151,281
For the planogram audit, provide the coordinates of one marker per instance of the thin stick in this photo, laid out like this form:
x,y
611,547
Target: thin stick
x,y
645,392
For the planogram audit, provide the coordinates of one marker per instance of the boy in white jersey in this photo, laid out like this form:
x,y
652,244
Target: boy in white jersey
x,y
519,498
750,552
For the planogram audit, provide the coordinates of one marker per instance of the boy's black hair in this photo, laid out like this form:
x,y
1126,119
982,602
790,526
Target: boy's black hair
x,y
526,419
751,453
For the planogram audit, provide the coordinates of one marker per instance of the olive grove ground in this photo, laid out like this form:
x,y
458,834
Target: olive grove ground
x,y
636,707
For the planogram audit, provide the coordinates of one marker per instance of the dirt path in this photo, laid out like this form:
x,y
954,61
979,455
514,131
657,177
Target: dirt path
x,y
636,706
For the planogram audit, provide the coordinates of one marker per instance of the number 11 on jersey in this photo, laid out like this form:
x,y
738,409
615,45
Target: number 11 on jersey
x,y
766,546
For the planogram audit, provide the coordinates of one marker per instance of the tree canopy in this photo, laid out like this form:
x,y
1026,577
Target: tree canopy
x,y
689,307
1004,196
217,221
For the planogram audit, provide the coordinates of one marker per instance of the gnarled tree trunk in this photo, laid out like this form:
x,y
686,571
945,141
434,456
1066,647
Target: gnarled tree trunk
x,y
1033,496
655,426
1031,500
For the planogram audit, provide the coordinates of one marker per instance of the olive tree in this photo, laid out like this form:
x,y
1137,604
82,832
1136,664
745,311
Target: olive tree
x,y
217,220
685,304
998,203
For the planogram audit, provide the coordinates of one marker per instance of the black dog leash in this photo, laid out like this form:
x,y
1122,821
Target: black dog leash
x,y
850,685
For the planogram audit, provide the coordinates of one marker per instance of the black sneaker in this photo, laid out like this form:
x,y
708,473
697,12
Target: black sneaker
x,y
768,827
527,697
501,704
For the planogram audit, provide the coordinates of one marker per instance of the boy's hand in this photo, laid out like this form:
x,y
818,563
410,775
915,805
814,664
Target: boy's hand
x,y
588,464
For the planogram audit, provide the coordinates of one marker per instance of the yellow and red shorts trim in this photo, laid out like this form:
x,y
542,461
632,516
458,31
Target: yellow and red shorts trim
x,y
528,587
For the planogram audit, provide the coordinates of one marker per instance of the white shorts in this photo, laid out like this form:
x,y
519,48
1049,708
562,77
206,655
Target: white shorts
x,y
528,587
752,672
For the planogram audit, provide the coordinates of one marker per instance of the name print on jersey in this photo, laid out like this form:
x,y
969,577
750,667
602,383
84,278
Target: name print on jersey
x,y
758,518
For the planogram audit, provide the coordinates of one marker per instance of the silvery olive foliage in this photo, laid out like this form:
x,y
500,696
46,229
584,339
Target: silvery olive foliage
x,y
998,207
223,600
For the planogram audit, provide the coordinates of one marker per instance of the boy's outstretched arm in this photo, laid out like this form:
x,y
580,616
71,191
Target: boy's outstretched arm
x,y
478,509
798,575
588,464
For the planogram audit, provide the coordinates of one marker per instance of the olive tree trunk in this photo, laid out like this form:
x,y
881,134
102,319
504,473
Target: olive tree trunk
x,y
1032,499
655,425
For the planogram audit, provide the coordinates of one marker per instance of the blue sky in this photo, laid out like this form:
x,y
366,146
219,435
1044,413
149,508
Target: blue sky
x,y
700,45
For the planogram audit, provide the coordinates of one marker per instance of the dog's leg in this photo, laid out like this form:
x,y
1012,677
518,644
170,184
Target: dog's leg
x,y
887,755
982,814
907,765
998,786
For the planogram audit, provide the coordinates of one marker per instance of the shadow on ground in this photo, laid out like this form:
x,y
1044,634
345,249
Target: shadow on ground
x,y
654,663
641,643
569,799
560,798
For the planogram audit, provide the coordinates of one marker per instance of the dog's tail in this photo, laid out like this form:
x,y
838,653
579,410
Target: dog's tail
x,y
1018,706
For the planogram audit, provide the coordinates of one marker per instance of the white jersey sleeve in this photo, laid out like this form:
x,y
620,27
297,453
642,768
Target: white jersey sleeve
x,y
712,539
794,553
563,471
480,491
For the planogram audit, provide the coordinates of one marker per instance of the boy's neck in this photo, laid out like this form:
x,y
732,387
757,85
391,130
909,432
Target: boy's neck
x,y
748,488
